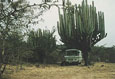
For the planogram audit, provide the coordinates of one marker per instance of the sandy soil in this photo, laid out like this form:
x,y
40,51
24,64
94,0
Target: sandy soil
x,y
98,71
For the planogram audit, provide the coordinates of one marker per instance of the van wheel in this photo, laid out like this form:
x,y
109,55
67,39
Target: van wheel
x,y
63,63
79,62
75,63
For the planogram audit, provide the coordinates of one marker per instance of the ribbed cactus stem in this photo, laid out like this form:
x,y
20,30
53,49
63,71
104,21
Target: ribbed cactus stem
x,y
81,26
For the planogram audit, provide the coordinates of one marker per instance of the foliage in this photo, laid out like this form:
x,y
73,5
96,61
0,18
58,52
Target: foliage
x,y
14,17
42,42
81,27
102,54
17,16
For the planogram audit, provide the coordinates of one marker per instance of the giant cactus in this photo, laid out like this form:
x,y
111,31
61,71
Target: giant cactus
x,y
81,27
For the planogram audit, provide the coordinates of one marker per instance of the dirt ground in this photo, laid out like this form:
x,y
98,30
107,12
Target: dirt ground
x,y
98,71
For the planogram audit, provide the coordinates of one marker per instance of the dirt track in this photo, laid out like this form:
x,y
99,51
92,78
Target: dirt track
x,y
98,71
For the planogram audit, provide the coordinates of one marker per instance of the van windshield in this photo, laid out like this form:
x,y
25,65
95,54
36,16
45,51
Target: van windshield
x,y
72,53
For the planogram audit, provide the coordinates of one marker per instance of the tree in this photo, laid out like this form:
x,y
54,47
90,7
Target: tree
x,y
81,27
42,42
14,16
103,54
14,45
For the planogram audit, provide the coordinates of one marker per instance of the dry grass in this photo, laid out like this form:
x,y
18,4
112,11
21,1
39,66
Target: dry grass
x,y
98,71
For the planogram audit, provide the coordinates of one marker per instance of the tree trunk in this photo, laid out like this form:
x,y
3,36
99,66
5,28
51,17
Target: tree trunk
x,y
0,75
85,57
0,63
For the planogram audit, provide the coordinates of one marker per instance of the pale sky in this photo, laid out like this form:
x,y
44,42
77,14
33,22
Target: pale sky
x,y
106,6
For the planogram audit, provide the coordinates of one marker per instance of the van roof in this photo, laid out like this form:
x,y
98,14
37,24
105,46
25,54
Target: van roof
x,y
72,50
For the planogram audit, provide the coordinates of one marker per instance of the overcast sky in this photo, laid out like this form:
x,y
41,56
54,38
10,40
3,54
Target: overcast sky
x,y
107,6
